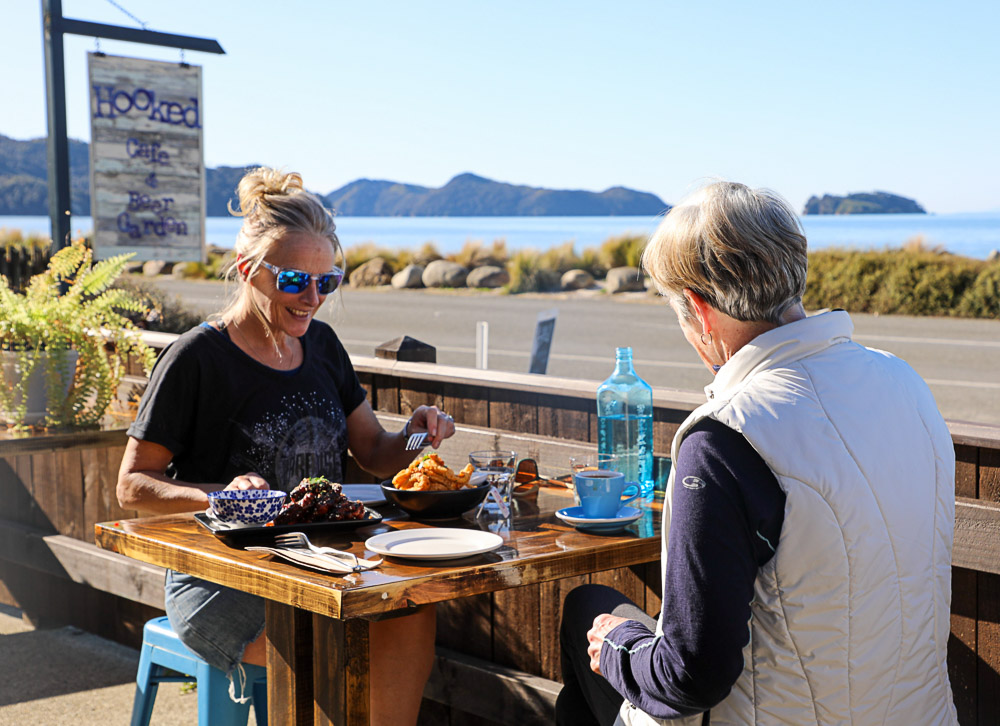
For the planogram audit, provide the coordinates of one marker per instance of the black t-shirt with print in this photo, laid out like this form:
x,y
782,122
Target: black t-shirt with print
x,y
223,414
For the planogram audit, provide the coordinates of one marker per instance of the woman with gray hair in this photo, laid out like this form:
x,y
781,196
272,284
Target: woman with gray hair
x,y
808,516
262,396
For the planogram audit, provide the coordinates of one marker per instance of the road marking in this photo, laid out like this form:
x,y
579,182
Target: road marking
x,y
962,384
930,341
985,385
552,356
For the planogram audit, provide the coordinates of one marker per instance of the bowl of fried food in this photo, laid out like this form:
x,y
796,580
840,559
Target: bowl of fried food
x,y
428,489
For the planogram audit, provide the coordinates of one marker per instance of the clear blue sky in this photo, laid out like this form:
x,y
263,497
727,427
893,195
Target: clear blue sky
x,y
806,98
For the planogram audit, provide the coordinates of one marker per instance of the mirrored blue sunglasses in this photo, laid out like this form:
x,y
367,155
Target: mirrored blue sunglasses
x,y
295,281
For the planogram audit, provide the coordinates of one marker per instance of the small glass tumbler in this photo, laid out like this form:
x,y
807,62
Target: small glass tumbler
x,y
499,468
589,462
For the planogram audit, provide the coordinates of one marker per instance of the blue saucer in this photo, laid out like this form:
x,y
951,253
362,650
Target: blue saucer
x,y
576,517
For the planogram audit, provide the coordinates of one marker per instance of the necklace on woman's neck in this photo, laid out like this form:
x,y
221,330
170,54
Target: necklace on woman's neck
x,y
269,353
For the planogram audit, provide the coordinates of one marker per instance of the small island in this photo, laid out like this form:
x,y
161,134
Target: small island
x,y
863,203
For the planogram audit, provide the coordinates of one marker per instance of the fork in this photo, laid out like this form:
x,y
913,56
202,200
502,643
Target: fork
x,y
416,441
301,541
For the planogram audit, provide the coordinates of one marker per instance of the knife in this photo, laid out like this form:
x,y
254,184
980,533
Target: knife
x,y
323,563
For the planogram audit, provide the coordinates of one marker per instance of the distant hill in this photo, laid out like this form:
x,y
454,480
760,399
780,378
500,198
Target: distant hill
x,y
23,174
863,203
468,195
24,170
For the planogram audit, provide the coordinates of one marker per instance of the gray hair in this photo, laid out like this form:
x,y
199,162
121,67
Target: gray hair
x,y
743,250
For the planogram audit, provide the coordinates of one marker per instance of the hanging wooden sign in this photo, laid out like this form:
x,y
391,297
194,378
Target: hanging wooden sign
x,y
147,168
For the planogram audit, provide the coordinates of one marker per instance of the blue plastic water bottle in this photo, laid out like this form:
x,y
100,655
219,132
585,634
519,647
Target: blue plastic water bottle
x,y
625,422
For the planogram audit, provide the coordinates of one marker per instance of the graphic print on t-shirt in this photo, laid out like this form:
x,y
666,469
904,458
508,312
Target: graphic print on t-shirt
x,y
305,437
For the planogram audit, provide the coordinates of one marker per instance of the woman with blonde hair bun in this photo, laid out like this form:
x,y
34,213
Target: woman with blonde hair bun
x,y
261,396
807,518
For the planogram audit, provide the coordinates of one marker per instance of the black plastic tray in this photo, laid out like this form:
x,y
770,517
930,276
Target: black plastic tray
x,y
241,534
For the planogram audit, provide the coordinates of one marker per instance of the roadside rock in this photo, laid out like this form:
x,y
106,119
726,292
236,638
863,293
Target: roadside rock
x,y
624,279
409,277
993,256
576,280
488,276
442,273
152,268
373,273
184,270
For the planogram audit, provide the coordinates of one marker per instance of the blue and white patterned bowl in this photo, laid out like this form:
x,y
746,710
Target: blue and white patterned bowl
x,y
251,506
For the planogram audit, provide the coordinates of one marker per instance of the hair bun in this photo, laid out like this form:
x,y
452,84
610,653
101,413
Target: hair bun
x,y
257,184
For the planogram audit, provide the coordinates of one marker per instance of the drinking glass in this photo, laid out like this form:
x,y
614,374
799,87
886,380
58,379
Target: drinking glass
x,y
499,468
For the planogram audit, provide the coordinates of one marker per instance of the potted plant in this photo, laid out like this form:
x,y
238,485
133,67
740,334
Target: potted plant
x,y
66,338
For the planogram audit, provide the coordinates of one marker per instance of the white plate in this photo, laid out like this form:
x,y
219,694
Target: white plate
x,y
370,494
434,543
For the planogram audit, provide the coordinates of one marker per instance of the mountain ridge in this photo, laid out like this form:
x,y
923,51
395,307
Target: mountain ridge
x,y
24,191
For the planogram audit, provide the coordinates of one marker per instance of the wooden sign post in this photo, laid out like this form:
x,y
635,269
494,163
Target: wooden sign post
x,y
147,170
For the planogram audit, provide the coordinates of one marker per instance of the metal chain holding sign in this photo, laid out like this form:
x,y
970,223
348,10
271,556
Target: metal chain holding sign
x,y
130,15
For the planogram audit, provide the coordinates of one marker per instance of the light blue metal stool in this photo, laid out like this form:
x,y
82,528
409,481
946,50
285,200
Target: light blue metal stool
x,y
162,649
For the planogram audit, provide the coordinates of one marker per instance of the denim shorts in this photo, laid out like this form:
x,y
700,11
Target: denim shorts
x,y
214,621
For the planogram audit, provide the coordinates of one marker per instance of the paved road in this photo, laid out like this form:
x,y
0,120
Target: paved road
x,y
959,358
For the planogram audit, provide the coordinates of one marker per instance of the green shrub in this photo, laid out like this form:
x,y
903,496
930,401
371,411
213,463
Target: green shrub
x,y
914,280
844,279
982,298
924,284
167,314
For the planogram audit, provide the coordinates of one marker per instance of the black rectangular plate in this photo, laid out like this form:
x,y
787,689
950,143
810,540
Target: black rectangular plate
x,y
245,534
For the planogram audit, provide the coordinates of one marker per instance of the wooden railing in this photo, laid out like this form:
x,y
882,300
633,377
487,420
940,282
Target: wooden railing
x,y
500,649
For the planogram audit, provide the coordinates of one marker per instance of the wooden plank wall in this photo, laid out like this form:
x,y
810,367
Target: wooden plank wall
x,y
974,646
63,484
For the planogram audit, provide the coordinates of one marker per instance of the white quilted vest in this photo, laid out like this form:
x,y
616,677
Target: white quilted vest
x,y
850,618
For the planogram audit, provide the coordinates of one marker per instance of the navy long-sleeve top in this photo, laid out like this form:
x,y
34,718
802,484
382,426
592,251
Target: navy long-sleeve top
x,y
726,517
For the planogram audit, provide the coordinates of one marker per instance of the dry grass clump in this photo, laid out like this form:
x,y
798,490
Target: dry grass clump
x,y
359,254
528,274
475,254
427,253
13,241
621,251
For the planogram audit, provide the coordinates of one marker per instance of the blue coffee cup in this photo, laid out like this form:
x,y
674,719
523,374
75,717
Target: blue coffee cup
x,y
601,492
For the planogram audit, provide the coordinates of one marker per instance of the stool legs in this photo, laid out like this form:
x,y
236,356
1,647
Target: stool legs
x,y
145,689
162,649
215,707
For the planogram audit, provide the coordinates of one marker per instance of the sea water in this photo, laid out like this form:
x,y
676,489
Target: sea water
x,y
971,234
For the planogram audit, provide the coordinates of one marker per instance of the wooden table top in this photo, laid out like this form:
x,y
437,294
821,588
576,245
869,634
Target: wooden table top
x,y
538,547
